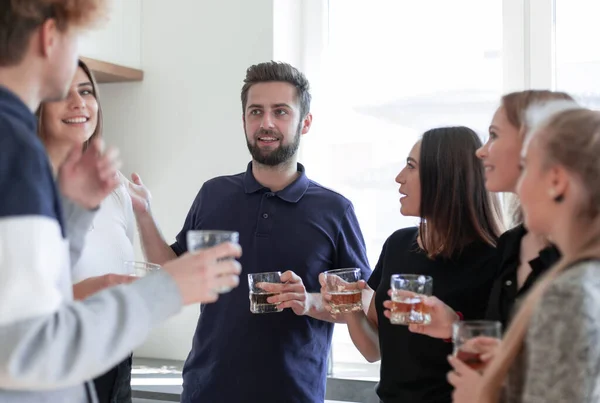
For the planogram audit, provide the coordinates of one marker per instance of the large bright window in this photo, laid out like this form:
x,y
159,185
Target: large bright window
x,y
577,54
384,71
389,71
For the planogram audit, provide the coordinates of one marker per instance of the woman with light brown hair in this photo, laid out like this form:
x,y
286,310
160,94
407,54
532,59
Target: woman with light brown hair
x,y
551,353
64,126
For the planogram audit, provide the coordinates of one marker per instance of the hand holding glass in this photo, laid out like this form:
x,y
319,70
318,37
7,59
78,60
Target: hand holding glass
x,y
342,285
258,296
197,240
472,338
408,299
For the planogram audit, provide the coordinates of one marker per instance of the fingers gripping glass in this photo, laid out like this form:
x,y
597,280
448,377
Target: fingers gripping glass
x,y
342,285
472,338
258,296
197,240
409,292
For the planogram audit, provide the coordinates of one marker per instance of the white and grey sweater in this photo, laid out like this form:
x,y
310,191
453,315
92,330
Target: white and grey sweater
x,y
560,361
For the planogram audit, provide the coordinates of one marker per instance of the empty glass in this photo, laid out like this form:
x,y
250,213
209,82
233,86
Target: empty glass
x,y
139,269
342,285
258,296
408,302
197,240
472,338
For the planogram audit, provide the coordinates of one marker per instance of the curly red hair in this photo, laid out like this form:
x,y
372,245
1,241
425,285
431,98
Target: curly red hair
x,y
20,18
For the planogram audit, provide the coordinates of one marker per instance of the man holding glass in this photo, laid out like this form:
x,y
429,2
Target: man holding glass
x,y
286,223
51,346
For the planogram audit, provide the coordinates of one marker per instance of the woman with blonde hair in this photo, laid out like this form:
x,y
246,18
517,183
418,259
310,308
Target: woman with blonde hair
x,y
551,352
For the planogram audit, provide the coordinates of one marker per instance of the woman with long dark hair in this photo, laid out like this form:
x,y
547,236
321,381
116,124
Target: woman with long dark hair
x,y
443,184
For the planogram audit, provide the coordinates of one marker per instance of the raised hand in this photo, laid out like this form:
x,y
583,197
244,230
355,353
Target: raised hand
x,y
87,177
140,195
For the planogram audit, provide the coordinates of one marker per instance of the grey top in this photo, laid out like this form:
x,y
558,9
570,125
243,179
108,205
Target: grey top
x,y
560,361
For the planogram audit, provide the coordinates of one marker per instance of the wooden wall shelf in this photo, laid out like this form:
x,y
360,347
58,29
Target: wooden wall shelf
x,y
112,73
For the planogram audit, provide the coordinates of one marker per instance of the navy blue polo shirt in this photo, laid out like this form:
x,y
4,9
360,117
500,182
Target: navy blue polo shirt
x,y
242,357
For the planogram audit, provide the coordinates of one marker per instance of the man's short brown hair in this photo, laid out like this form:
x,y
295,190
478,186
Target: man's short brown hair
x,y
282,72
19,18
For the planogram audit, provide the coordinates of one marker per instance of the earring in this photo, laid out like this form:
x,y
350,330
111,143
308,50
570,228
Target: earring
x,y
553,195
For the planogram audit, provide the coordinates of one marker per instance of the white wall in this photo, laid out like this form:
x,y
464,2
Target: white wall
x,y
182,124
119,40
288,30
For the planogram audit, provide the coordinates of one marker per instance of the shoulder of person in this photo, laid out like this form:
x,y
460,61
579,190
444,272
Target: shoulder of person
x,y
572,295
332,198
580,277
25,175
223,180
403,236
15,139
511,238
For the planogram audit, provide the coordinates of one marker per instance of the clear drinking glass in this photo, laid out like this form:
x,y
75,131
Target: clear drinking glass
x,y
139,269
472,338
203,239
258,297
342,285
408,302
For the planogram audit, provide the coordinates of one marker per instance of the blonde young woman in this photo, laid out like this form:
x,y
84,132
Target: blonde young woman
x,y
552,351
75,122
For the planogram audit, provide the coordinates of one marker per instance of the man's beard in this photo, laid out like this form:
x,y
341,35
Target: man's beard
x,y
277,156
